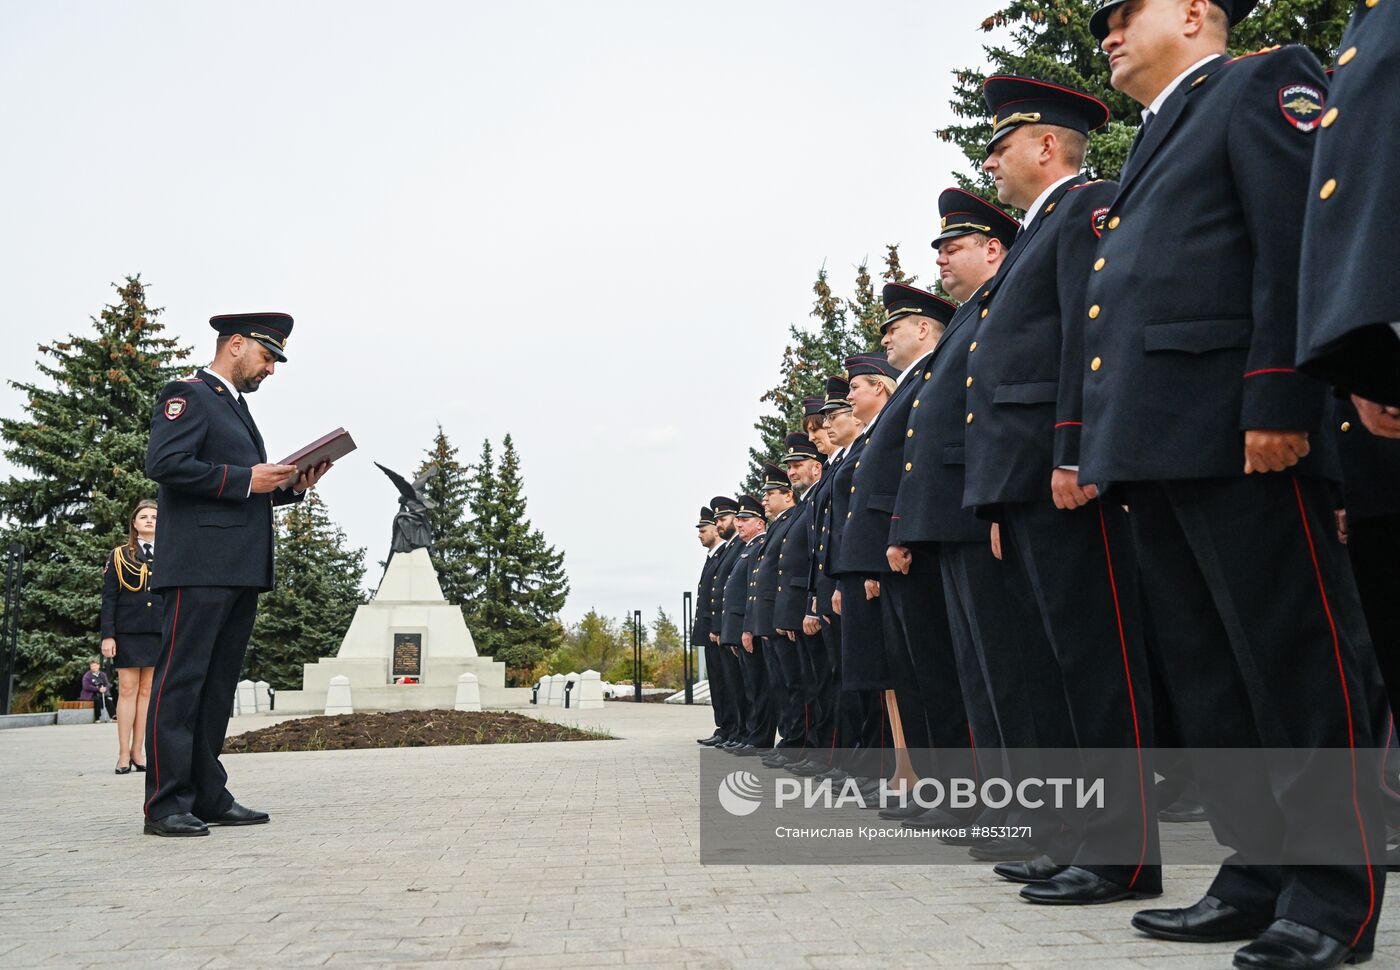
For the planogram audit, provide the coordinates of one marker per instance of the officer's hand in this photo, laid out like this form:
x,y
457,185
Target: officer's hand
x,y
109,647
1379,419
1342,526
899,558
836,602
1273,451
311,476
269,478
748,642
872,588
811,625
791,635
996,539
1067,492
734,650
714,637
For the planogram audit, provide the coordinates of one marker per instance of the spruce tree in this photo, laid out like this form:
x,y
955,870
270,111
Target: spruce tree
x,y
1050,40
318,588
452,549
81,449
516,618
664,632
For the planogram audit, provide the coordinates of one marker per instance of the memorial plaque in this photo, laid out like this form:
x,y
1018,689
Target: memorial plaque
x,y
408,655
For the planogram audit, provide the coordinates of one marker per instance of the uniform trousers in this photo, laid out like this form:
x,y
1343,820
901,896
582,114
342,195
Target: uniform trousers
x,y
1077,564
206,630
785,687
865,676
726,708
759,718
732,681
1373,546
831,732
1254,609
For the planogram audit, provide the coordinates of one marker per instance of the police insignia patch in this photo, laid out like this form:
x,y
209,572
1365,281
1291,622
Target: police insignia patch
x,y
174,408
1301,105
1098,219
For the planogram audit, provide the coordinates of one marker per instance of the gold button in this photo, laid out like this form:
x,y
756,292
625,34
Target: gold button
x,y
985,311
1113,223
148,603
1098,264
1329,117
1096,363
1346,57
1372,3
927,375
909,433
969,380
909,466
1094,312
857,465
1346,425
821,548
972,347
1328,188
853,488
916,400
969,417
848,515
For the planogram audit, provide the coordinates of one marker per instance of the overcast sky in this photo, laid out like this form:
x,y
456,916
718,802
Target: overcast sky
x,y
586,224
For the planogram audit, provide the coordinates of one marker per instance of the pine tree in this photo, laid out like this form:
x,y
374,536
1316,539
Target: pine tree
x,y
1050,40
82,448
450,490
664,632
524,584
318,588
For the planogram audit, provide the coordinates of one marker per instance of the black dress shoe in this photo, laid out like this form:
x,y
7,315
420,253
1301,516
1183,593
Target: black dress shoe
x,y
932,818
1079,887
1187,808
175,826
1208,921
748,751
729,745
899,813
1287,945
238,815
138,766
1039,869
833,774
1004,850
810,769
711,741
122,771
737,746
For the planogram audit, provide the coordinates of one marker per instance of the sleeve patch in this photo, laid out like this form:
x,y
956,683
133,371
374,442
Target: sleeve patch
x,y
1301,105
1098,219
174,408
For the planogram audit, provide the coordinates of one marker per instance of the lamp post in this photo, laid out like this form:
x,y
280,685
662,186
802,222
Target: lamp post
x,y
687,623
637,655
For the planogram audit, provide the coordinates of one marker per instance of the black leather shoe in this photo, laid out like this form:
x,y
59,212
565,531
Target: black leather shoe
x,y
810,769
1039,869
898,813
1287,945
238,815
1185,809
1079,887
932,818
176,827
778,760
122,771
1208,921
711,741
837,775
728,745
748,751
137,766
1004,850
737,747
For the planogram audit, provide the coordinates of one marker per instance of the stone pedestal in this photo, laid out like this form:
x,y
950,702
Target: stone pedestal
x,y
405,650
338,697
468,694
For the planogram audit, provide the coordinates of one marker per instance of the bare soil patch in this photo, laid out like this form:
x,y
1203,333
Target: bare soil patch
x,y
404,729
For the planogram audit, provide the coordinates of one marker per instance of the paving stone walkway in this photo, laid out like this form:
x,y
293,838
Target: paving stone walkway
x,y
580,854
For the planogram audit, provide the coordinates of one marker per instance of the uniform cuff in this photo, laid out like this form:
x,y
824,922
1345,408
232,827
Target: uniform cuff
x,y
1281,399
1066,449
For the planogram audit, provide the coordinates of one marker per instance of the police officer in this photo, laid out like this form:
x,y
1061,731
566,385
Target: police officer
x,y
1022,434
217,491
779,653
1349,330
700,629
730,682
1191,402
736,631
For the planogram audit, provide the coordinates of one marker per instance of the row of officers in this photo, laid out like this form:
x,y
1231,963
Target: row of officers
x,y
1123,494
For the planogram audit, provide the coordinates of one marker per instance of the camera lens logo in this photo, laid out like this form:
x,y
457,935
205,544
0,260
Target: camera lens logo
x,y
740,793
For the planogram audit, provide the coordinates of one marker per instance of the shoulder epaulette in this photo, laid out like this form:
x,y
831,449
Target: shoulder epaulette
x,y
1082,185
1265,50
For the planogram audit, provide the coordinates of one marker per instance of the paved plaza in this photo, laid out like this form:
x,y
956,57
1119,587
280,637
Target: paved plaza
x,y
579,854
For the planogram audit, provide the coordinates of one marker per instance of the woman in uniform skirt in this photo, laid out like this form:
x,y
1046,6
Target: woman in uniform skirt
x,y
131,631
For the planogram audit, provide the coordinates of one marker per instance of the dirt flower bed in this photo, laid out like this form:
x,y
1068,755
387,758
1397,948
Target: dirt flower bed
x,y
404,729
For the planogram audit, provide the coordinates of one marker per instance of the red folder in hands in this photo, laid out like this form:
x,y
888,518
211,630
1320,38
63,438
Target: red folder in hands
x,y
331,447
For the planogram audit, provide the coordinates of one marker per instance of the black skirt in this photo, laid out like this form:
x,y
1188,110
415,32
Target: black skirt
x,y
137,649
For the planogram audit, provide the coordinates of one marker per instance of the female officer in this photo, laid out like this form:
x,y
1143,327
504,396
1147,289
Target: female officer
x,y
131,631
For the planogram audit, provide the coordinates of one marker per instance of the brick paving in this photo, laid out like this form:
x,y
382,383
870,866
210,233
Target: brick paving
x,y
579,854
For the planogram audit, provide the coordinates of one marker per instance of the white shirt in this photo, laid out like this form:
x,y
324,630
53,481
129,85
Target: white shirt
x,y
1166,92
1040,199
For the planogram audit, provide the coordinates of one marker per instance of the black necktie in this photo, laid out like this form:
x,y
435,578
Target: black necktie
x,y
146,548
243,402
1142,131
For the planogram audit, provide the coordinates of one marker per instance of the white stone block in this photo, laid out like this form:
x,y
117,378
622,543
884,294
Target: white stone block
x,y
556,691
588,692
468,694
261,696
338,696
571,694
247,697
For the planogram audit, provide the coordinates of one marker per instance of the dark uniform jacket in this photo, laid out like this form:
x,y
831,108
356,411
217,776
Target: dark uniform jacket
x,y
1195,308
124,609
866,534
1348,297
738,591
203,447
1370,465
700,629
929,506
766,573
727,558
1021,419
795,566
820,586
838,510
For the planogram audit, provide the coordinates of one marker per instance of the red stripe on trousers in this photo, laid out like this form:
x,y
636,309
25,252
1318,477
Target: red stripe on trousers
x,y
1132,699
155,714
1346,700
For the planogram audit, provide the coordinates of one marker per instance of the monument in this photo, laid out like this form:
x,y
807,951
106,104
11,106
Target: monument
x,y
408,646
